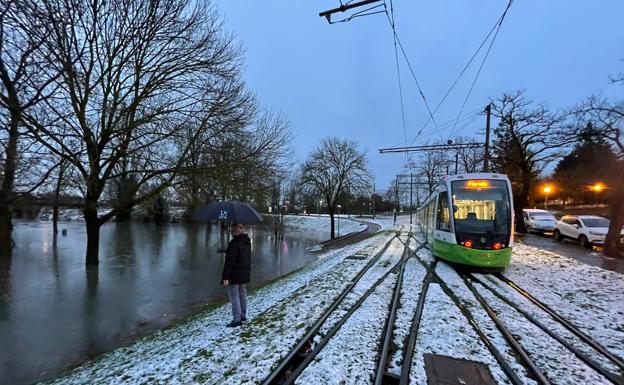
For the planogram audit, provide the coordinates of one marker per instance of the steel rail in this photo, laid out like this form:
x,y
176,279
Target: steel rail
x,y
381,375
411,341
511,374
309,356
567,324
300,347
539,376
615,379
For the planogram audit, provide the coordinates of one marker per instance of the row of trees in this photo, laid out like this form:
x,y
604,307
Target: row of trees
x,y
124,102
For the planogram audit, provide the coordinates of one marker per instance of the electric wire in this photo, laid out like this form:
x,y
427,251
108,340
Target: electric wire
x,y
398,68
498,27
409,65
361,13
474,55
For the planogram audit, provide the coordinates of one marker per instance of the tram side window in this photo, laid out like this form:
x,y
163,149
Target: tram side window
x,y
443,218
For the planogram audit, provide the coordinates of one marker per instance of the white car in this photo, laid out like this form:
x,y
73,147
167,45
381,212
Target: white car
x,y
537,220
588,230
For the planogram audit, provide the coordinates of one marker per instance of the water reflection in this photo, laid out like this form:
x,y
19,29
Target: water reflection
x,y
55,312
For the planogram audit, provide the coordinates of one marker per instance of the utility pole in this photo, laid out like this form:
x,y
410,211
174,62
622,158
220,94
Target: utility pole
x,y
486,156
373,201
411,192
396,210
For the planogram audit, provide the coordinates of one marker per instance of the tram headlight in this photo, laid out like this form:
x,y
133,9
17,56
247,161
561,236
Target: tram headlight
x,y
497,246
467,243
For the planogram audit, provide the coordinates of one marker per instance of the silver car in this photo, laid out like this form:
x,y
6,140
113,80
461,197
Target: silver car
x,y
537,220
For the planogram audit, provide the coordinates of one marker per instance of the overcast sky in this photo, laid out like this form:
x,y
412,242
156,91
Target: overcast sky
x,y
341,79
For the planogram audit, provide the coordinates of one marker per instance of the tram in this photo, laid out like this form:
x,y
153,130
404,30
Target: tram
x,y
468,220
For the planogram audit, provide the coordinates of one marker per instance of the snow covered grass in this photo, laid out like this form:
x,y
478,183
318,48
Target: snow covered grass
x,y
553,359
588,296
203,350
360,336
455,339
315,223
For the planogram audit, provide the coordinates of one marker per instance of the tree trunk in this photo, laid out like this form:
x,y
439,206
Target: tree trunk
x,y
93,235
331,219
8,183
57,193
612,246
6,228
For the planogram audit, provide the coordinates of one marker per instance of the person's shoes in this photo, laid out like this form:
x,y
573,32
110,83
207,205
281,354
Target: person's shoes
x,y
243,319
234,324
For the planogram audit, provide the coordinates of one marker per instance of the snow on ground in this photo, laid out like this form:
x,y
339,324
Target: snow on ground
x,y
523,303
410,292
588,296
455,339
203,350
360,336
315,223
388,260
553,359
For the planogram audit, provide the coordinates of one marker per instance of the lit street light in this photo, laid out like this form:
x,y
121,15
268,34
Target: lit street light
x,y
547,190
597,188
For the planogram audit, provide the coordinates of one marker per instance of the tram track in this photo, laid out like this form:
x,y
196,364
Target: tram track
x,y
614,378
534,372
533,369
309,346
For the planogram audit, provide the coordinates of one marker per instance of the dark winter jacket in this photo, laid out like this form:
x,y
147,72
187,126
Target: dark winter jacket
x,y
237,267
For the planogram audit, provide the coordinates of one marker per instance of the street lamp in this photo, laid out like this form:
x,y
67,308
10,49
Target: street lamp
x,y
338,207
547,190
597,188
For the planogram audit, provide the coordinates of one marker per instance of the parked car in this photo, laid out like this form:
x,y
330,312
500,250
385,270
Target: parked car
x,y
537,220
588,230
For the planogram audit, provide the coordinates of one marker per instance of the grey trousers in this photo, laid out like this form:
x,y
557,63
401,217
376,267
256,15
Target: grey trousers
x,y
238,298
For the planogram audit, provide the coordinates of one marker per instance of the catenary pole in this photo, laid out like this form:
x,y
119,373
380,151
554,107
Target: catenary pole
x,y
486,156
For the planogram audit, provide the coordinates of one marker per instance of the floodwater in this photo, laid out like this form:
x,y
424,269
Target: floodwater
x,y
571,249
56,313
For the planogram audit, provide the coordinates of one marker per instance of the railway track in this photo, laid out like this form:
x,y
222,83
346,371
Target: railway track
x,y
532,368
308,347
432,277
617,379
382,375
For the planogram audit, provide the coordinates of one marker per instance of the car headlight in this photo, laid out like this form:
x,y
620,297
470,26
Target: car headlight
x,y
597,233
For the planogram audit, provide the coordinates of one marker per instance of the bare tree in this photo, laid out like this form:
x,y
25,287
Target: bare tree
x,y
22,87
334,166
607,119
525,142
134,76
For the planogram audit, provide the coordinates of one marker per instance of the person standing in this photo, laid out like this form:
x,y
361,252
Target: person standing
x,y
236,273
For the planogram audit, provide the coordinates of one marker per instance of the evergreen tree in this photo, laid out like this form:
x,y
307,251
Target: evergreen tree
x,y
589,162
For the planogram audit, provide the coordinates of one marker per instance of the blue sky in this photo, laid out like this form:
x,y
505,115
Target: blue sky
x,y
341,80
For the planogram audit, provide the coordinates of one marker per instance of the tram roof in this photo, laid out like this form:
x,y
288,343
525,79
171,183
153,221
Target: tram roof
x,y
475,175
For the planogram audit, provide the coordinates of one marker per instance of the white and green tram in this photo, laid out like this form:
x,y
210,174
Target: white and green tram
x,y
469,220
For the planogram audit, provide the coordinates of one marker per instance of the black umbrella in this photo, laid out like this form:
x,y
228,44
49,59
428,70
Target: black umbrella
x,y
231,211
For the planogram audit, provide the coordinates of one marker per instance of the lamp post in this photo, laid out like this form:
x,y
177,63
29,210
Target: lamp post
x,y
338,207
547,190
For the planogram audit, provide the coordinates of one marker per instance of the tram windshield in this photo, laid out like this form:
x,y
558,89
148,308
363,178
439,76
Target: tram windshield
x,y
481,207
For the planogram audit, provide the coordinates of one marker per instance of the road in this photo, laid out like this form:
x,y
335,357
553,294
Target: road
x,y
571,249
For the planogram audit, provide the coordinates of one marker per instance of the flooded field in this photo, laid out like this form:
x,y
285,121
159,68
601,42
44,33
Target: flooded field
x,y
55,312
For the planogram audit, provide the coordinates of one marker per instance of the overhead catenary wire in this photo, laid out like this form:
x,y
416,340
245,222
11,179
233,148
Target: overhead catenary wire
x,y
474,55
498,27
398,68
409,65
